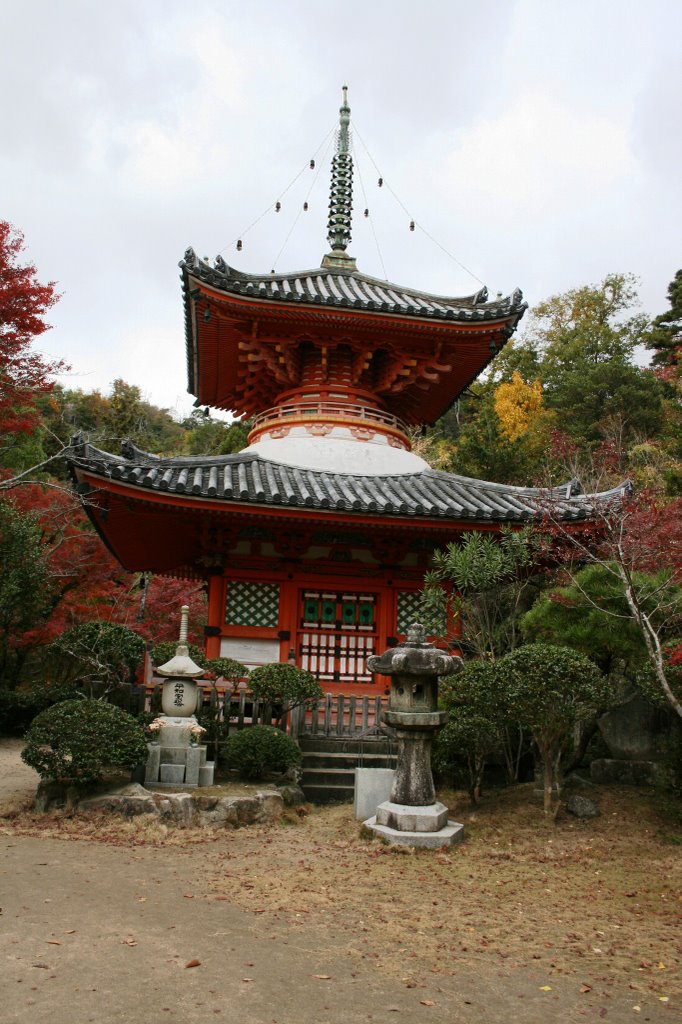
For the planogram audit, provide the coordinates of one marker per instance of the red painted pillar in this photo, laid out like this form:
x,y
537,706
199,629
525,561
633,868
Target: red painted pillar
x,y
215,614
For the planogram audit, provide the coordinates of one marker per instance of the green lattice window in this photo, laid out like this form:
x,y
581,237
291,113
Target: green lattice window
x,y
338,610
252,604
409,609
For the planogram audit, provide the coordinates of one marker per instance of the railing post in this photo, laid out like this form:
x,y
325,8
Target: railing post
x,y
340,714
327,714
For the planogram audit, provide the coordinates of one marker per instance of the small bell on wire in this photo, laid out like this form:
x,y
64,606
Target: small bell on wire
x,y
207,314
278,206
305,206
240,245
380,182
312,165
366,212
411,225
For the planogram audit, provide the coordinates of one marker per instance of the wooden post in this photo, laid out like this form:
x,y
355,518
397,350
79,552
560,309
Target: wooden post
x,y
215,614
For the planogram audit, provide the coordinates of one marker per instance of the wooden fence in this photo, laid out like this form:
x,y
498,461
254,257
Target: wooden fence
x,y
332,717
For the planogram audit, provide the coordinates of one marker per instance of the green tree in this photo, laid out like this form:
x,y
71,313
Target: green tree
x,y
205,436
97,651
586,338
590,615
491,577
551,689
24,586
479,721
665,336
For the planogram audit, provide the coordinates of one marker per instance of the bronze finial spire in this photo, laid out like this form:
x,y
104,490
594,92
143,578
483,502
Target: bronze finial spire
x,y
341,197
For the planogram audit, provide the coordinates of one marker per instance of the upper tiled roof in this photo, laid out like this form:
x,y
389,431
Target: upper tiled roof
x,y
246,479
347,289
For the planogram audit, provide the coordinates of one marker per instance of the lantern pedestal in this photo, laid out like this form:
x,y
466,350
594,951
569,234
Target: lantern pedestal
x,y
413,816
174,762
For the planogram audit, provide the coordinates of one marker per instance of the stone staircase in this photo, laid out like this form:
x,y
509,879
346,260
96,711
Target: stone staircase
x,y
329,764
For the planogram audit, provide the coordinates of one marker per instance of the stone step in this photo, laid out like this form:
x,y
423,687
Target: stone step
x,y
347,745
324,759
326,793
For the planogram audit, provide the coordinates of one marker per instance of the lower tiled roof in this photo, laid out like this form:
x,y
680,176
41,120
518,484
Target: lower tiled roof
x,y
245,479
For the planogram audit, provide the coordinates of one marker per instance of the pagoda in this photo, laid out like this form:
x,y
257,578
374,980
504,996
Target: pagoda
x,y
313,540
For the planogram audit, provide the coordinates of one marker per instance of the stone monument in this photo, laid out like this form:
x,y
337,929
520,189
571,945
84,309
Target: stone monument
x,y
413,816
176,758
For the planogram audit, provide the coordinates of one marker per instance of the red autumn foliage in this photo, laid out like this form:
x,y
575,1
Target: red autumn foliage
x,y
86,582
24,301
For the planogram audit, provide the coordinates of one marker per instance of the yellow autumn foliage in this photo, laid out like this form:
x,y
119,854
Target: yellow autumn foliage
x,y
516,405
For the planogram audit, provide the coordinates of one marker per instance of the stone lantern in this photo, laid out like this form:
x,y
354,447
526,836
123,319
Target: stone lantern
x,y
177,759
413,816
179,694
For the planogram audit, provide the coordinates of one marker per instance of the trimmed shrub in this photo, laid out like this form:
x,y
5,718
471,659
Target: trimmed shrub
x,y
228,669
260,749
551,689
165,651
80,741
282,683
96,651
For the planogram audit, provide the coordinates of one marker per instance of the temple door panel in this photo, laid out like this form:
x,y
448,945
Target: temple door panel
x,y
337,631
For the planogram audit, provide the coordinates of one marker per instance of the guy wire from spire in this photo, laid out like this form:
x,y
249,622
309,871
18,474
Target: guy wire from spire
x,y
413,219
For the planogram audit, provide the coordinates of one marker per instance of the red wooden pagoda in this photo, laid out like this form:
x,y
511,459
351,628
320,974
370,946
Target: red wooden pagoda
x,y
315,539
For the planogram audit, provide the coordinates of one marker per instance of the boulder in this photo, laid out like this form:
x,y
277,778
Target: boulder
x,y
271,805
582,807
128,800
629,773
291,794
637,730
247,808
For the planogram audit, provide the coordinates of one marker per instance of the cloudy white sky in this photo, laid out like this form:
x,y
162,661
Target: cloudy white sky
x,y
538,141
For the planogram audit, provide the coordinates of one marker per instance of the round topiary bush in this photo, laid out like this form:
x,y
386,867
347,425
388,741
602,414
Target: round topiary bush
x,y
80,741
260,749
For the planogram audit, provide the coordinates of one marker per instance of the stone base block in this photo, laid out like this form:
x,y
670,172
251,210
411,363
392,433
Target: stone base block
x,y
193,765
175,731
172,773
452,833
206,772
173,755
372,787
404,818
151,772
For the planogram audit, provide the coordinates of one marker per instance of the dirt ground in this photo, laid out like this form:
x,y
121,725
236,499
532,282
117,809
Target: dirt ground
x,y
308,922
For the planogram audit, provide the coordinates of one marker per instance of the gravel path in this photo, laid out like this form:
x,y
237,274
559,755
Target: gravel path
x,y
16,778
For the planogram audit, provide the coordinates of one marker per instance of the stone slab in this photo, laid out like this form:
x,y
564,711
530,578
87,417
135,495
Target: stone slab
x,y
206,772
193,765
173,755
405,818
372,787
450,835
151,772
174,731
172,773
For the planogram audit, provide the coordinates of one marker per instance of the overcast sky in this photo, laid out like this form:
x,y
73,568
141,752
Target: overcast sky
x,y
537,141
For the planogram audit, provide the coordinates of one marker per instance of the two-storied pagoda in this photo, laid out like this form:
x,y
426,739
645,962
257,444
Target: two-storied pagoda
x,y
315,539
